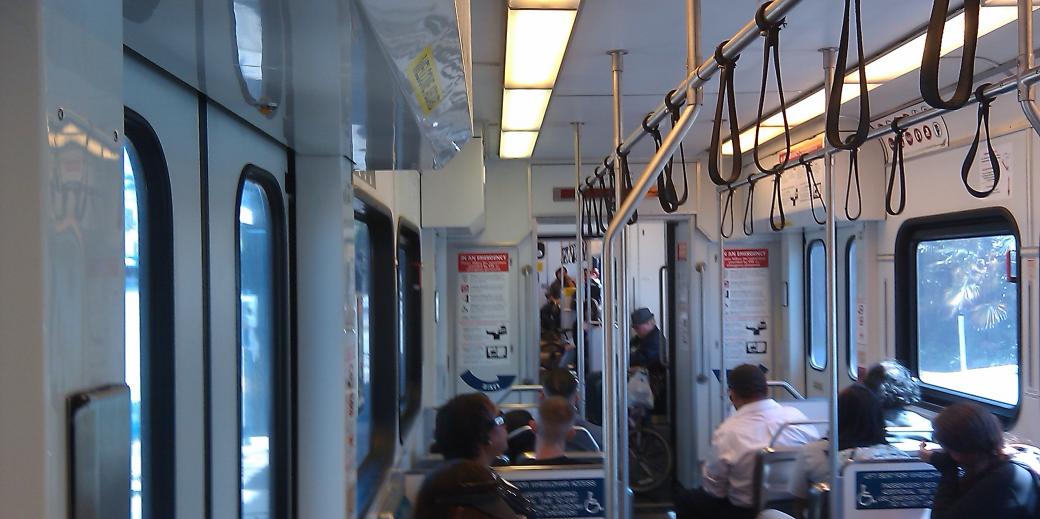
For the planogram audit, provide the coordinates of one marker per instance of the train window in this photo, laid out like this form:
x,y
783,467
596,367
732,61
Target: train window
x,y
816,303
409,324
957,272
261,347
148,319
851,307
374,281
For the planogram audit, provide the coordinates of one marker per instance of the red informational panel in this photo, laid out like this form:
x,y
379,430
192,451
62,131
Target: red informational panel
x,y
483,262
745,258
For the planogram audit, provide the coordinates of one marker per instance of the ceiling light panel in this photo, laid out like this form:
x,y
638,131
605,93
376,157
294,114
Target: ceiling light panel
x,y
544,4
535,43
524,109
517,145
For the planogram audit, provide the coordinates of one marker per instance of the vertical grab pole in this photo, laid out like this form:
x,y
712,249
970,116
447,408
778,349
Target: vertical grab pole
x,y
1026,62
723,375
830,242
579,258
620,357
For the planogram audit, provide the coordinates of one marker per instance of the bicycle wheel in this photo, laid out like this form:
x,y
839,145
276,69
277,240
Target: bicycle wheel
x,y
649,460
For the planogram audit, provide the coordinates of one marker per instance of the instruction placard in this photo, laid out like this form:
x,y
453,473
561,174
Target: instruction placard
x,y
564,498
483,334
895,490
747,312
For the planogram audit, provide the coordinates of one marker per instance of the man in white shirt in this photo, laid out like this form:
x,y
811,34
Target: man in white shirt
x,y
728,475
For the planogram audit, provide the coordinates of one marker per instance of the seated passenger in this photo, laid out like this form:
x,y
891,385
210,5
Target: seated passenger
x,y
465,489
562,383
897,389
555,425
861,436
992,485
729,472
470,427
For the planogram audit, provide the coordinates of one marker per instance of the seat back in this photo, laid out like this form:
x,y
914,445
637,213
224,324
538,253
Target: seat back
x,y
815,409
561,490
776,472
886,489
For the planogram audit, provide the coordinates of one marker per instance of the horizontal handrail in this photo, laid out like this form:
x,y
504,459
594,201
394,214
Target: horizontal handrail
x,y
786,385
776,435
518,388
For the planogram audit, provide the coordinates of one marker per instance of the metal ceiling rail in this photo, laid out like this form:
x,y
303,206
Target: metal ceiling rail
x,y
747,35
1005,86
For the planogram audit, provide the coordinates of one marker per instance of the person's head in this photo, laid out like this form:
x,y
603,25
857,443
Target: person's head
x,y
561,273
470,427
555,424
561,382
747,384
893,384
643,322
860,420
969,433
594,272
555,294
463,489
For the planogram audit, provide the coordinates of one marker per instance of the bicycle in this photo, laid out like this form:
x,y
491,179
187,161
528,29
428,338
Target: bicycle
x,y
649,453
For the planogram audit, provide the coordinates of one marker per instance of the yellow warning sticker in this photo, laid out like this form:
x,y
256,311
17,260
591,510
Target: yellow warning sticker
x,y
422,74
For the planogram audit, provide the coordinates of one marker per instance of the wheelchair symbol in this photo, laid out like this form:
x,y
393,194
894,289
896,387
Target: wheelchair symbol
x,y
592,506
865,498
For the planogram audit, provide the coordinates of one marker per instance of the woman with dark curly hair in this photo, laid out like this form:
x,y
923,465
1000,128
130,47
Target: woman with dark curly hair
x,y
470,427
896,388
992,485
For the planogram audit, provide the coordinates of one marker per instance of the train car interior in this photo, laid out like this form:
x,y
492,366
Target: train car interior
x,y
395,259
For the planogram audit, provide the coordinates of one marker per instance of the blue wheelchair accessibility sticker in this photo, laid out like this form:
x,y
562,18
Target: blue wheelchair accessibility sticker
x,y
895,490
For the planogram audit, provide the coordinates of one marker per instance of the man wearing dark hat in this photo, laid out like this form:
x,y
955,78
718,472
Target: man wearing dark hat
x,y
646,345
729,473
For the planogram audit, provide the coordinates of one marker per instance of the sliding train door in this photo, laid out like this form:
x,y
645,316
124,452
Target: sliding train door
x,y
164,336
249,356
818,361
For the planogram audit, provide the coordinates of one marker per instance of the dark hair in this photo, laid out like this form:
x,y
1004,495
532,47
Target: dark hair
x,y
861,422
560,382
747,381
968,428
893,384
460,488
463,425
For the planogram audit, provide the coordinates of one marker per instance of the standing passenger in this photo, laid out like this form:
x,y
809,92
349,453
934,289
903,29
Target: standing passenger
x,y
729,472
992,485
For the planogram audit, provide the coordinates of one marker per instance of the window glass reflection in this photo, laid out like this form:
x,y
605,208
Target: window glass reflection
x,y
132,321
250,44
816,272
256,349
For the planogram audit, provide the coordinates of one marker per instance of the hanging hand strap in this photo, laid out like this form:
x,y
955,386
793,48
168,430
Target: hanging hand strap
x,y
771,33
810,180
605,204
853,176
840,70
673,116
665,187
994,162
897,167
933,49
749,213
727,96
727,208
777,205
626,178
612,185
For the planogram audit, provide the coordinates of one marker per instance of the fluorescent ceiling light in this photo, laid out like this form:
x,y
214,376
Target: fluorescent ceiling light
x,y
544,4
898,62
517,145
524,109
535,43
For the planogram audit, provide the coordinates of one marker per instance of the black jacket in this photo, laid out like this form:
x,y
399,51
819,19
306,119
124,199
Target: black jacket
x,y
646,351
1007,490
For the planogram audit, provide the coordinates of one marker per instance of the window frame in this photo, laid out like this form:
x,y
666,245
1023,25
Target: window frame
x,y
157,322
808,305
374,467
851,308
280,447
412,362
959,225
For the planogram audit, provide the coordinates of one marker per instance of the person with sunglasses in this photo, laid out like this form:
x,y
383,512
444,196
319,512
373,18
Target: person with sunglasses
x,y
465,489
470,427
